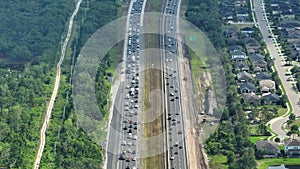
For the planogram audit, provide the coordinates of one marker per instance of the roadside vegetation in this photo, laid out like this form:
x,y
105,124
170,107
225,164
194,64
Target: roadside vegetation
x,y
29,50
231,139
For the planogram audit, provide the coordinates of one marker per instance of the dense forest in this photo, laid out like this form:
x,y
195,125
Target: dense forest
x,y
31,32
32,28
232,137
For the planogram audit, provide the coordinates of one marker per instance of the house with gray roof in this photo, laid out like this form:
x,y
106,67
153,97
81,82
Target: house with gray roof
x,y
263,76
292,147
252,45
251,98
241,66
261,64
247,88
256,56
244,77
268,149
270,98
238,56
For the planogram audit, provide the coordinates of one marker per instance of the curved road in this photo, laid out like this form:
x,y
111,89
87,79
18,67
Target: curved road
x,y
56,86
274,50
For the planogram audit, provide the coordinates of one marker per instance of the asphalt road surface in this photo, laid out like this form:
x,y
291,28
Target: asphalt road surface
x,y
177,156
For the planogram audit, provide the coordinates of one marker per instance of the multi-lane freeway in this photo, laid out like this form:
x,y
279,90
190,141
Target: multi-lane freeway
x,y
177,156
124,143
125,138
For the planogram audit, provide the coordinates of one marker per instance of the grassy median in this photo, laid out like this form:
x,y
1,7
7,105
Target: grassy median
x,y
152,109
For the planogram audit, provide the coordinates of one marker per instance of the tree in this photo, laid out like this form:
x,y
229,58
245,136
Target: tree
x,y
292,117
294,129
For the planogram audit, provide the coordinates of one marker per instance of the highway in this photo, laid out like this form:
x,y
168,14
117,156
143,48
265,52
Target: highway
x,y
274,50
177,155
55,89
125,128
125,131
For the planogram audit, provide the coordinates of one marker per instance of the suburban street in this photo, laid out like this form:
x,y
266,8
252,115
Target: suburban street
x,y
55,89
274,50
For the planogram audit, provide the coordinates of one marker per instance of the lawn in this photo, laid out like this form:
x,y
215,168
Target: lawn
x,y
297,122
218,162
264,163
254,139
282,111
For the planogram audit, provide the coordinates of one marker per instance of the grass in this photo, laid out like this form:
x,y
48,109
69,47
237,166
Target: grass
x,y
254,139
296,122
152,115
264,163
282,111
218,162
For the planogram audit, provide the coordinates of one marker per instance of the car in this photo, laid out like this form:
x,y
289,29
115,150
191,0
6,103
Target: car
x,y
129,131
179,132
127,159
124,128
172,100
121,157
133,159
176,144
172,158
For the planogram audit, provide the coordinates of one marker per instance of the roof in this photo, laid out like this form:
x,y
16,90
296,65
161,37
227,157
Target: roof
x,y
246,29
252,42
250,97
238,52
256,56
235,47
241,65
263,76
277,167
292,142
244,76
267,83
248,86
267,145
260,62
271,97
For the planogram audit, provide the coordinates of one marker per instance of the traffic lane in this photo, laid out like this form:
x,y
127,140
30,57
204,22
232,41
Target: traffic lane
x,y
113,147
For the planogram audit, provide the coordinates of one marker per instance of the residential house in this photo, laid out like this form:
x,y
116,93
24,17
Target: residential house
x,y
244,77
287,15
247,88
268,149
256,56
251,98
247,31
252,45
238,56
277,167
270,98
260,65
242,14
262,76
233,48
292,148
267,85
231,32
241,66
